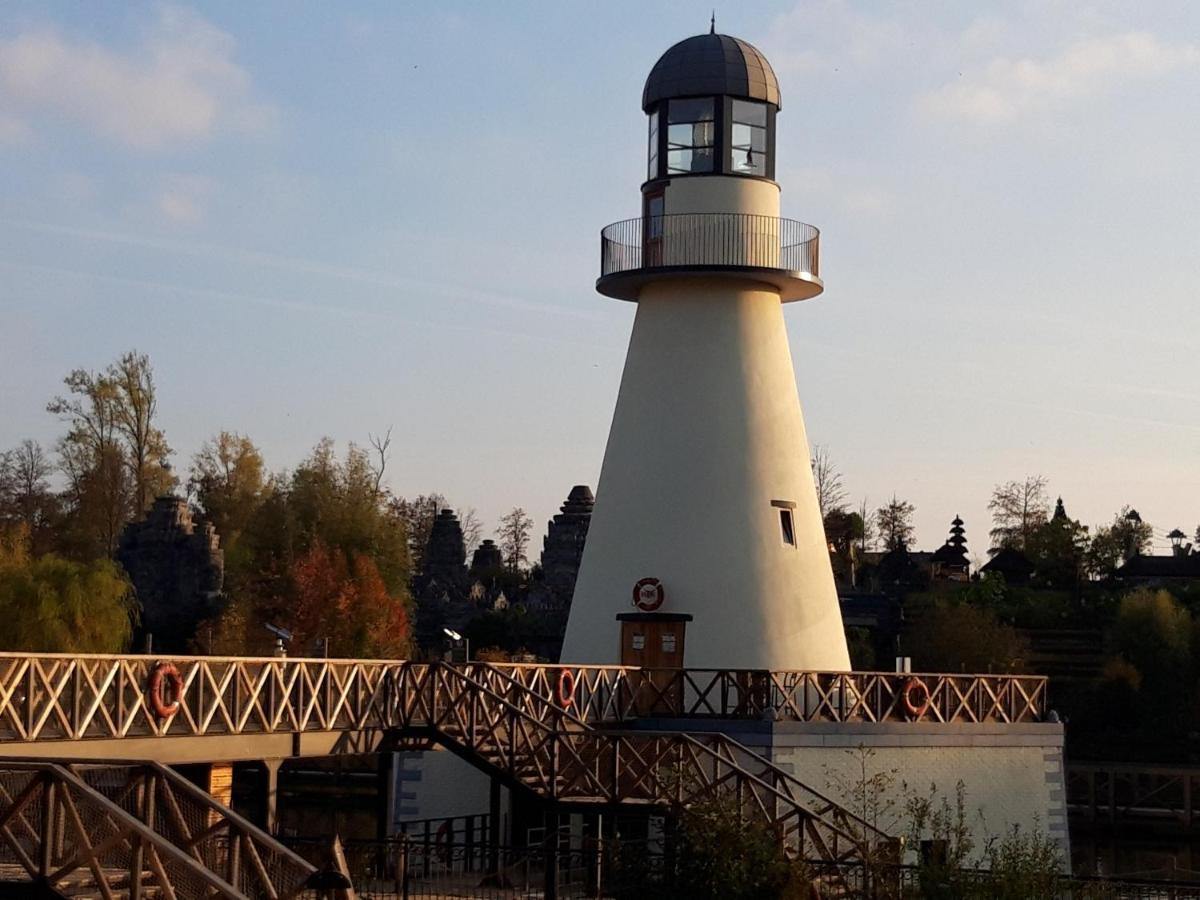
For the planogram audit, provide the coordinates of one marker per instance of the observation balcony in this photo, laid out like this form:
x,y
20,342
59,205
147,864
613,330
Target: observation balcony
x,y
782,253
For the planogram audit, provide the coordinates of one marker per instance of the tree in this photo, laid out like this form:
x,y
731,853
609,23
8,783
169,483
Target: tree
x,y
228,479
472,528
417,515
514,537
843,532
1018,507
344,600
136,407
894,523
1154,634
965,638
93,459
869,533
1118,543
381,444
831,495
275,575
53,605
1058,550
25,495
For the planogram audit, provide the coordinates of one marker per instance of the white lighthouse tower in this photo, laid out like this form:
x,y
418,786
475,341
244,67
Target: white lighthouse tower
x,y
706,547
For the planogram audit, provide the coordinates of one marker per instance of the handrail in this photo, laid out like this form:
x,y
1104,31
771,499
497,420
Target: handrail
x,y
65,832
63,697
581,764
719,240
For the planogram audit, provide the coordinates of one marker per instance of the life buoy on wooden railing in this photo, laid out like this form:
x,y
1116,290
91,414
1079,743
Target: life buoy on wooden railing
x,y
565,692
164,708
916,697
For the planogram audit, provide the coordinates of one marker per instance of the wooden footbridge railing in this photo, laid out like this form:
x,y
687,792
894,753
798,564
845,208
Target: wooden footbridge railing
x,y
78,698
133,831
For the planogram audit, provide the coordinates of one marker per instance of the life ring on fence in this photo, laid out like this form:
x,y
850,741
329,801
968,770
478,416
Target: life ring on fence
x,y
565,692
441,841
916,697
164,671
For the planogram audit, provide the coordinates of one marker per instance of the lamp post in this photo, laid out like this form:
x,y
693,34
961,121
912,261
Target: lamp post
x,y
458,638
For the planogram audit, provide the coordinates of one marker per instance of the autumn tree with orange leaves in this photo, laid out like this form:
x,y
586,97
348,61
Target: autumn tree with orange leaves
x,y
344,600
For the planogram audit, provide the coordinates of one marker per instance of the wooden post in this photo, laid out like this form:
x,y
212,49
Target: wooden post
x,y
271,795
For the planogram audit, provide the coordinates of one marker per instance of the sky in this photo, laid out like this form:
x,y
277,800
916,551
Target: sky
x,y
331,219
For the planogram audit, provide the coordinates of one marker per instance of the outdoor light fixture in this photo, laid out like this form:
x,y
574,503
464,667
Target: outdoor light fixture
x,y
456,637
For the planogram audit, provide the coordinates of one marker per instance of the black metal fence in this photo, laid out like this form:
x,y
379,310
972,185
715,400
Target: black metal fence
x,y
411,868
710,239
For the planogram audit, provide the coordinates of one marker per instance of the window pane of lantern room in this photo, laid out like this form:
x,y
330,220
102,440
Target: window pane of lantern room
x,y
690,110
702,160
679,135
741,136
679,161
750,113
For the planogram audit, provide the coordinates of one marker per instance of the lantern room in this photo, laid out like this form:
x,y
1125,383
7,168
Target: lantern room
x,y
712,101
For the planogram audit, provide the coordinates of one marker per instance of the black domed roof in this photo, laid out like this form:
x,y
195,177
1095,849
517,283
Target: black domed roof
x,y
710,64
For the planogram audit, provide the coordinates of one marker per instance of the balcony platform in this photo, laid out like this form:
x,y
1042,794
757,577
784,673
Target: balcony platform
x,y
782,254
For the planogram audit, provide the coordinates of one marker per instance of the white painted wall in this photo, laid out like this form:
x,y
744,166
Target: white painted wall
x,y
706,433
1012,774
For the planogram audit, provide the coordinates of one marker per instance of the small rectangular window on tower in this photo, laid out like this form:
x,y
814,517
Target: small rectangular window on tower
x,y
787,527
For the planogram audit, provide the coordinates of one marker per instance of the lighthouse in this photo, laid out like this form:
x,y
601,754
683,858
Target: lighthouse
x,y
706,547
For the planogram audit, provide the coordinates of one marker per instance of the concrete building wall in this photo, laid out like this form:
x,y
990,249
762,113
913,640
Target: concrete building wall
x,y
437,784
1012,774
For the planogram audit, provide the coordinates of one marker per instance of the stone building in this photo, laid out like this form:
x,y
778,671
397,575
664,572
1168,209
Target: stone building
x,y
487,560
445,559
177,567
562,548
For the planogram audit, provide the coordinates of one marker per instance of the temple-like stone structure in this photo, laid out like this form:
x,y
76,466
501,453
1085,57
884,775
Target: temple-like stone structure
x,y
949,562
445,559
487,560
562,548
177,567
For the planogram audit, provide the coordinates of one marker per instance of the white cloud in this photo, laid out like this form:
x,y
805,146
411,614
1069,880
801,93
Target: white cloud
x,y
1009,88
180,84
182,199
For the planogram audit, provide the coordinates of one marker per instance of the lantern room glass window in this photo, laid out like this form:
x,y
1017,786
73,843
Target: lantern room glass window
x,y
652,167
748,138
691,136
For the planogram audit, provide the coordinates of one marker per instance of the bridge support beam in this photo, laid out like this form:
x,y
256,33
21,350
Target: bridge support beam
x,y
271,792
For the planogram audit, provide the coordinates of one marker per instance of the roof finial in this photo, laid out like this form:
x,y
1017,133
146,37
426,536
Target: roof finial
x,y
712,23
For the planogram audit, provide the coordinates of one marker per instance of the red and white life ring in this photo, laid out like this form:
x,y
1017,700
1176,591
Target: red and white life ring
x,y
164,671
916,697
565,690
648,594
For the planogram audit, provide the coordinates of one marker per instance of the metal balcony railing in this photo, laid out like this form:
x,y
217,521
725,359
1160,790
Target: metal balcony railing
x,y
711,241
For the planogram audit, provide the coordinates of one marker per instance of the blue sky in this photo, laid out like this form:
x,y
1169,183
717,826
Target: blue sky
x,y
325,219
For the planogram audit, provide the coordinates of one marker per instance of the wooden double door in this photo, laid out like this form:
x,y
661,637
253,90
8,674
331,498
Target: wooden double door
x,y
655,643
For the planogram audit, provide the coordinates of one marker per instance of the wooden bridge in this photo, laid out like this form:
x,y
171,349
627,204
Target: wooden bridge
x,y
574,737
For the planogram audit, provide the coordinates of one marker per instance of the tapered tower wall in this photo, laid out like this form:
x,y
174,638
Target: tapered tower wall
x,y
707,433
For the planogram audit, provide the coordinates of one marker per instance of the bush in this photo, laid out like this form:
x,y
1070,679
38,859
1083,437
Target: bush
x,y
54,605
962,638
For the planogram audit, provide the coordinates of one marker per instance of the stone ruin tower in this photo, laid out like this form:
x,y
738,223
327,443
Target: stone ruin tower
x,y
177,568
